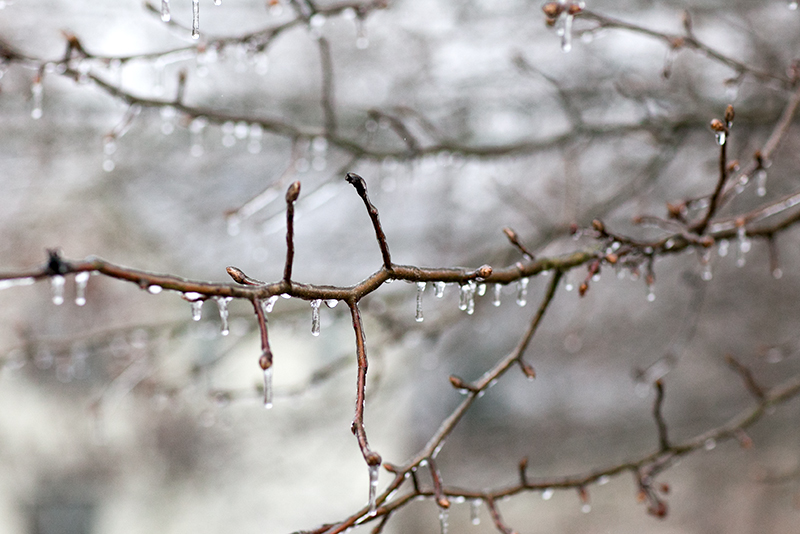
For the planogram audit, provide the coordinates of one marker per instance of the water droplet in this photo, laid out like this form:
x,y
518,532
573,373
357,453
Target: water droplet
x,y
466,301
331,303
743,246
761,182
522,292
109,147
438,289
57,287
777,273
420,290
651,294
566,36
196,128
228,137
721,137
241,129
195,19
197,310
81,279
705,265
268,387
722,248
315,316
710,444
155,289
165,16
603,480
217,2
481,290
474,510
269,303
496,291
37,93
792,5
443,525
222,304
168,115
256,133
586,508
373,488
547,494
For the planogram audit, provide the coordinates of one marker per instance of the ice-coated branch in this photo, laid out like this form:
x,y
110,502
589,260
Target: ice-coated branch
x,y
291,197
661,424
371,457
361,188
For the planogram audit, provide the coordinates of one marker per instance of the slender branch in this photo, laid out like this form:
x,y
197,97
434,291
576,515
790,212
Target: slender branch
x,y
371,457
747,376
361,188
328,103
291,197
663,440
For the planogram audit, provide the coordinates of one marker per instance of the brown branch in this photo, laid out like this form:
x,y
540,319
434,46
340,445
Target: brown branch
x,y
291,197
361,188
514,239
328,105
441,499
497,519
747,376
372,458
663,440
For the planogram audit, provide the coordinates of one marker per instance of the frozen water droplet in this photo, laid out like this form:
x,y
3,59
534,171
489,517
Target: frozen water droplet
x,y
710,444
420,290
566,36
721,137
268,387
651,294
217,2
705,265
331,303
474,510
241,130
109,147
496,291
37,93
792,5
315,316
761,182
481,290
268,304
722,248
13,282
222,304
443,520
603,480
81,279
165,16
438,289
154,289
547,494
466,301
57,287
596,277
777,273
522,292
228,137
197,310
195,19
256,133
196,128
586,508
743,246
373,488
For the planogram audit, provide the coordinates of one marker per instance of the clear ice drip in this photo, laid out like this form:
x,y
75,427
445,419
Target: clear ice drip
x,y
268,388
165,16
268,304
438,289
420,290
81,279
373,488
57,286
315,316
196,128
721,137
222,304
37,92
761,182
498,289
197,310
466,301
195,19
443,520
522,291
744,246
474,509
566,36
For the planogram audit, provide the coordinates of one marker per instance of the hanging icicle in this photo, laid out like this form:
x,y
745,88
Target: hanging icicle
x,y
373,488
57,287
522,292
438,289
165,15
315,316
195,19
420,290
81,280
222,304
496,292
37,93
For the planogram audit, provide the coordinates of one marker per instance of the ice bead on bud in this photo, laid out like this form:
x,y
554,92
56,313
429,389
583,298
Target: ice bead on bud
x,y
165,15
315,316
57,287
222,304
373,488
81,279
195,19
420,290
522,292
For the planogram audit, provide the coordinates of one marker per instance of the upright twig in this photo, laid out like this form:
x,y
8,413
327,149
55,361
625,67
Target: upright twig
x,y
361,188
291,197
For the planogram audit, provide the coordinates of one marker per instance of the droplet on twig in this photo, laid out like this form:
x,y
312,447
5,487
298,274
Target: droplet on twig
x,y
547,494
315,316
57,287
420,290
466,300
522,292
438,289
81,280
373,488
37,93
268,304
222,304
761,182
497,290
743,245
197,310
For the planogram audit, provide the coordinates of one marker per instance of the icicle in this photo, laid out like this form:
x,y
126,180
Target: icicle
x,y
761,182
195,19
255,134
81,279
497,290
474,509
222,304
669,59
362,41
720,136
36,97
722,249
197,310
566,36
196,128
315,316
651,294
466,300
443,520
705,263
268,304
547,494
57,286
168,115
217,2
481,290
268,387
438,289
228,137
331,303
522,292
420,290
744,246
165,16
109,147
373,488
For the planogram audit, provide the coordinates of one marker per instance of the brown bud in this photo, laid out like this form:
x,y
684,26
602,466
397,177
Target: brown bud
x,y
707,241
612,258
717,125
729,114
658,509
510,233
598,225
677,42
574,9
237,274
552,9
583,288
373,458
293,192
675,210
458,383
664,488
641,496
528,371
733,166
265,361
484,271
573,228
443,502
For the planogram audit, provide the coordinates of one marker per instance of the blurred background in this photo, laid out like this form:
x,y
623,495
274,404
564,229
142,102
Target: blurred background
x,y
124,415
